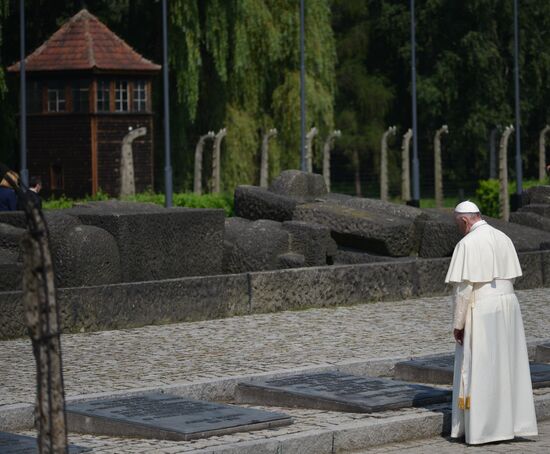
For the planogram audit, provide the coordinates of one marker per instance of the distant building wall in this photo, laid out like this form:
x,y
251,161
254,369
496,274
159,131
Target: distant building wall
x,y
59,152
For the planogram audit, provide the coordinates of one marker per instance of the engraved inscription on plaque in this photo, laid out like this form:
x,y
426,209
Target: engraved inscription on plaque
x,y
166,416
340,392
21,444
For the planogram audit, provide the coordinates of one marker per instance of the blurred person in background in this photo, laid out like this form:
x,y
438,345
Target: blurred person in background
x,y
8,198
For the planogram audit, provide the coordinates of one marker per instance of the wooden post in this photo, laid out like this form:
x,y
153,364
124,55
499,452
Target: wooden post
x,y
309,148
329,142
264,159
504,199
197,180
127,178
438,171
542,153
216,160
384,162
405,166
42,318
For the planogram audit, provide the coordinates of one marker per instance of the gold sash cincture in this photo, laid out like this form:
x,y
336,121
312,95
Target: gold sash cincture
x,y
461,403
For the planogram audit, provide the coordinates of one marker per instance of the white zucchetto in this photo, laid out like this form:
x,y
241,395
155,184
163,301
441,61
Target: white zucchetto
x,y
466,207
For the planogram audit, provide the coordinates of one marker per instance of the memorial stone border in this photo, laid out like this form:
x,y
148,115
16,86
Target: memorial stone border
x,y
133,304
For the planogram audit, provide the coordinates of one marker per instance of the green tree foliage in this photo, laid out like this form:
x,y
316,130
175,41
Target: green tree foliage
x,y
364,96
465,76
236,65
233,63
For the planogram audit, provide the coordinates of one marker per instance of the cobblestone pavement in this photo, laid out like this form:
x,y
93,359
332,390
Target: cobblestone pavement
x,y
304,420
313,421
180,353
439,445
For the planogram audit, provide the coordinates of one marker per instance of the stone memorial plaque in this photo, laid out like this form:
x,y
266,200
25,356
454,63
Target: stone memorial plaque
x,y
543,353
166,417
439,370
340,392
540,375
21,444
436,369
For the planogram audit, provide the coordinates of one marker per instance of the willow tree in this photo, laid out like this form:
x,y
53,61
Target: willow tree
x,y
236,65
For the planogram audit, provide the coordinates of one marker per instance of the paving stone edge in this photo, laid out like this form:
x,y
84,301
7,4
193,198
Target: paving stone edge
x,y
16,417
359,435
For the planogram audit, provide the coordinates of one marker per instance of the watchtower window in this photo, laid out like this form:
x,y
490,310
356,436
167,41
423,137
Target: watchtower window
x,y
81,96
121,96
140,96
56,97
103,90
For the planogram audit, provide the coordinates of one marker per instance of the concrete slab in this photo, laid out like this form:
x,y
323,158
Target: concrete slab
x,y
439,370
340,392
166,417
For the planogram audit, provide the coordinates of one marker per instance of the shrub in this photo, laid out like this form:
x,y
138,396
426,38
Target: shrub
x,y
190,200
487,197
487,194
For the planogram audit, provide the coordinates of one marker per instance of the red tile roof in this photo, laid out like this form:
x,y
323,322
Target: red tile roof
x,y
85,43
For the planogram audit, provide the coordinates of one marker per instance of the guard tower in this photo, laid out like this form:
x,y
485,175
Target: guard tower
x,y
86,88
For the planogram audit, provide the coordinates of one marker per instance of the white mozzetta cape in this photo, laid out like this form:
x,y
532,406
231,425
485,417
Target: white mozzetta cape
x,y
484,254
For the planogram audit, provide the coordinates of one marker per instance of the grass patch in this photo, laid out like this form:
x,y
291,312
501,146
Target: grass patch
x,y
182,199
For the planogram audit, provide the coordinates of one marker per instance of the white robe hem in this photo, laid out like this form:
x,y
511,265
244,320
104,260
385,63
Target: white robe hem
x,y
491,439
500,438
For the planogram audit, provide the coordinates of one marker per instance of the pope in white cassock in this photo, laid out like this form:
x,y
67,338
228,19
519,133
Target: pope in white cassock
x,y
492,393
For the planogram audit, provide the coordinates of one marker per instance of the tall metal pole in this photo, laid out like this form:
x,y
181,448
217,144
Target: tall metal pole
x,y
23,97
519,172
415,165
167,164
302,89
